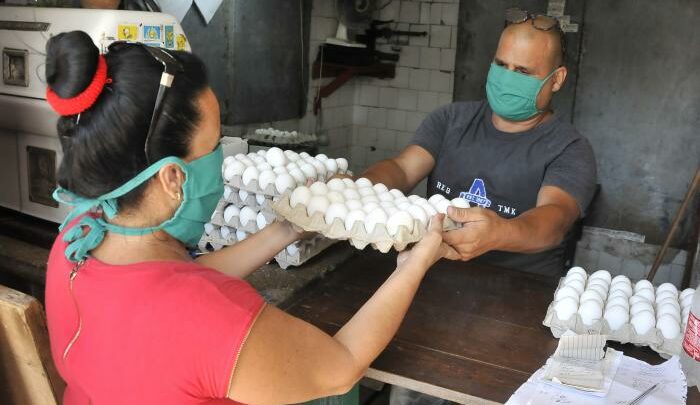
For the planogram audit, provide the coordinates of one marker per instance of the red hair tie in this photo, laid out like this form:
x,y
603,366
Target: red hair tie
x,y
83,101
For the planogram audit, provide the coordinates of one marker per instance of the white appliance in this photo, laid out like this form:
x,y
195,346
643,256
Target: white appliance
x,y
30,151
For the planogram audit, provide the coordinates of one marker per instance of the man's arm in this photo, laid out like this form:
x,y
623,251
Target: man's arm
x,y
535,230
404,171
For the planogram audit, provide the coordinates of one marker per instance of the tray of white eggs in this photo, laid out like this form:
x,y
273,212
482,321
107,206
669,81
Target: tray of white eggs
x,y
273,172
248,218
627,312
363,213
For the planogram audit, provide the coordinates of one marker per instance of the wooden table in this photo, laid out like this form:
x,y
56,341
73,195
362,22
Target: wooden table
x,y
473,335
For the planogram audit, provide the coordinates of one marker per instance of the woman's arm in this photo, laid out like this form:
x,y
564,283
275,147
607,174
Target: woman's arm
x,y
287,360
249,255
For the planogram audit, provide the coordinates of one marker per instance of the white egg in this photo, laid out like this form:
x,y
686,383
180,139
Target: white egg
x,y
209,228
304,155
291,166
616,316
684,314
618,294
300,195
603,274
369,206
369,198
575,276
385,196
228,160
363,182
260,199
335,197
319,188
660,296
249,174
375,217
397,193
576,284
591,311
668,309
365,191
225,232
321,157
230,212
243,195
276,157
336,184
336,210
405,205
317,203
266,178
625,288
298,176
647,294
354,216
621,279
353,205
263,166
591,295
234,169
280,170
292,249
380,188
670,301
688,292
687,301
331,166
240,156
442,206
643,284
308,171
351,194
342,165
417,213
566,308
260,220
349,183
228,190
643,322
291,155
635,299
284,182
402,200
566,291
387,204
600,290
577,270
598,281
670,328
247,214
397,220
429,209
617,301
262,152
241,235
320,168
435,198
641,306
667,287
459,202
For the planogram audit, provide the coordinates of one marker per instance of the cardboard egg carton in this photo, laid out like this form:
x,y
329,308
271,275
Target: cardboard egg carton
x,y
626,334
379,238
235,199
307,250
235,222
270,190
215,241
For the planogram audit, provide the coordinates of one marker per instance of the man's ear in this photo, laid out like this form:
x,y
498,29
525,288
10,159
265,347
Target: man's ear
x,y
559,77
170,179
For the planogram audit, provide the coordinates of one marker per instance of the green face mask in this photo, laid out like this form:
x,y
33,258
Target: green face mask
x,y
513,95
202,190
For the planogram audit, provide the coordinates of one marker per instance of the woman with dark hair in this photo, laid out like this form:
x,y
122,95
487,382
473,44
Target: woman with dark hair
x,y
132,317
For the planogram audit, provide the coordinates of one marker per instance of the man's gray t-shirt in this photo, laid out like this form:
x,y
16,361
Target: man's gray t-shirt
x,y
504,171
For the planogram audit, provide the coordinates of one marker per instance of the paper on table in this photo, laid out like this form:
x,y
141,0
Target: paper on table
x,y
580,362
632,378
176,8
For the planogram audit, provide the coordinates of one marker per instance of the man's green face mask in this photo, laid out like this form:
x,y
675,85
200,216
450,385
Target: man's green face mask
x,y
513,95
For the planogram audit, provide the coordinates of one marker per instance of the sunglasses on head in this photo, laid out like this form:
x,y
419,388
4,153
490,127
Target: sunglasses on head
x,y
171,66
541,22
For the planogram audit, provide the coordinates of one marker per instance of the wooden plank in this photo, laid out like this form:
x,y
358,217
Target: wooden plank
x,y
27,371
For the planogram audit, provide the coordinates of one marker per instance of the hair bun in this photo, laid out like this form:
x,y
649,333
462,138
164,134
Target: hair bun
x,y
71,63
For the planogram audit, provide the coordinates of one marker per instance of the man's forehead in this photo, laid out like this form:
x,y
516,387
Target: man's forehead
x,y
522,44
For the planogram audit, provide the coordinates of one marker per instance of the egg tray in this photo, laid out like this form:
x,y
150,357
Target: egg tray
x,y
235,199
358,237
251,226
216,241
308,250
626,334
253,187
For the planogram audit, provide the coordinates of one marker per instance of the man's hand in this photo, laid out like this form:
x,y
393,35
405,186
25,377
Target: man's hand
x,y
481,232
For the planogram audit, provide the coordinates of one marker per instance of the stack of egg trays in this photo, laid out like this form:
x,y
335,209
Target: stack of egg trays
x,y
307,249
626,334
214,240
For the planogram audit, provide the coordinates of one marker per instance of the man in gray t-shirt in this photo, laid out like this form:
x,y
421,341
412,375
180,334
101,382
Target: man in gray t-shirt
x,y
527,173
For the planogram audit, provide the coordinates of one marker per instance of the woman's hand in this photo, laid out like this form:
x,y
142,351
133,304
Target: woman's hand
x,y
296,232
428,250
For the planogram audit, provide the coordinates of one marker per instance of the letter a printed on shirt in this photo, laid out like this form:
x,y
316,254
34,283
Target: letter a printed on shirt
x,y
477,194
